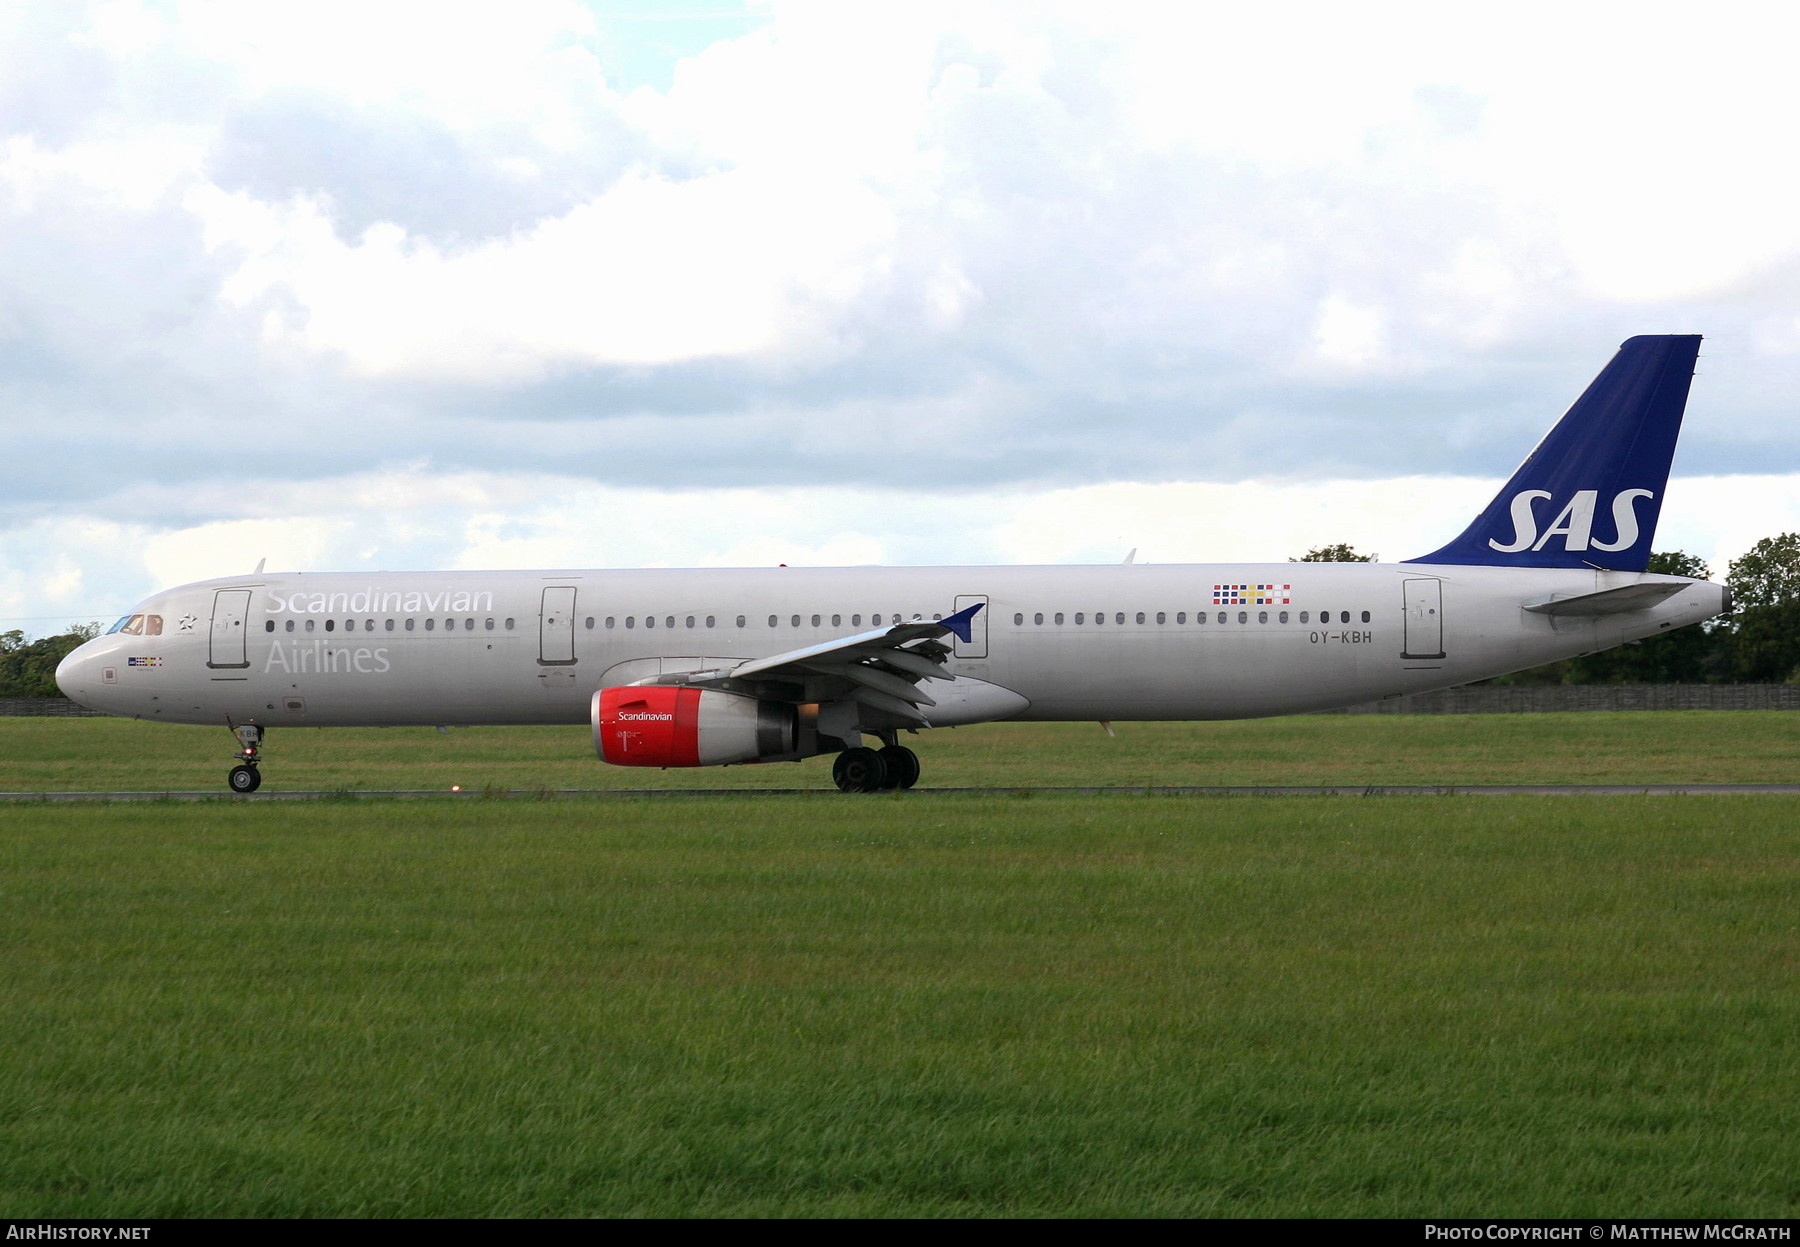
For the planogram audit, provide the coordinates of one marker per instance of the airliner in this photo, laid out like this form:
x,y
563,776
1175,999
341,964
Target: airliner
x,y
684,668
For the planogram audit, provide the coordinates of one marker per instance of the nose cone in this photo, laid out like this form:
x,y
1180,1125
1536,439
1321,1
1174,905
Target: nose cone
x,y
77,675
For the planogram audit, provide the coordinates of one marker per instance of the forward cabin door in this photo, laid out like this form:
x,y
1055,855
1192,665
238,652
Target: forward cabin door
x,y
976,645
228,645
1424,619
556,627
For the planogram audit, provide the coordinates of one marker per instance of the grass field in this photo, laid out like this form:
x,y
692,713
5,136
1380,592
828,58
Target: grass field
x,y
117,755
918,1005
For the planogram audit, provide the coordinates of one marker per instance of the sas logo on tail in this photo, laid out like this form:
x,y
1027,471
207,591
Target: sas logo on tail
x,y
1574,523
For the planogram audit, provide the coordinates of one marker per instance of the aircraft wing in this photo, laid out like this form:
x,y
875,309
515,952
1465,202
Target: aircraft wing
x,y
882,668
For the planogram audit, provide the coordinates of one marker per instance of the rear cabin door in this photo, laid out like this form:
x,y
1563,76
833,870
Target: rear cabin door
x,y
1424,619
228,645
556,627
976,645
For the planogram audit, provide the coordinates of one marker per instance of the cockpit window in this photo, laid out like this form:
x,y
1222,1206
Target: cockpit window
x,y
138,625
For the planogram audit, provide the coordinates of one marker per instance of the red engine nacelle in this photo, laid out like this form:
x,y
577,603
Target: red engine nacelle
x,y
658,726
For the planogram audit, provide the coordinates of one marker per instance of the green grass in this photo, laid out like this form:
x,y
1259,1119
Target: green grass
x,y
109,755
924,1006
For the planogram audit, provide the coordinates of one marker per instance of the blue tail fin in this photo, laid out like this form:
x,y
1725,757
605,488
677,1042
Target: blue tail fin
x,y
1590,494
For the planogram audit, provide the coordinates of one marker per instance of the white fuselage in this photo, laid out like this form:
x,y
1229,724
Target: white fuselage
x,y
1114,642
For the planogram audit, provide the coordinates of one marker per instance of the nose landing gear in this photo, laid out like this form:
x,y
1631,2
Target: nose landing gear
x,y
245,777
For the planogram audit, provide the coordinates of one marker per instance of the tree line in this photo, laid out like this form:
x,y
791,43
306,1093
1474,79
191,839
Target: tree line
x,y
1758,643
28,668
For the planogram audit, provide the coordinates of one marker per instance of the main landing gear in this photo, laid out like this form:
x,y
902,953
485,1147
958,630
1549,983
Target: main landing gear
x,y
874,770
245,777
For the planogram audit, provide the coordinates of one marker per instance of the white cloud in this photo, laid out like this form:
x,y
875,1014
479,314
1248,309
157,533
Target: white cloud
x,y
409,517
903,283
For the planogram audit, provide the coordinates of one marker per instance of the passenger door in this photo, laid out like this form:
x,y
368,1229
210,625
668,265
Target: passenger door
x,y
1424,619
228,646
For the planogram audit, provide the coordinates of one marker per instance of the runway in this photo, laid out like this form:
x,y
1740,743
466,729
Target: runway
x,y
1297,790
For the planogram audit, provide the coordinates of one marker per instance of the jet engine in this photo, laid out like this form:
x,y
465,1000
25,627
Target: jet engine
x,y
667,726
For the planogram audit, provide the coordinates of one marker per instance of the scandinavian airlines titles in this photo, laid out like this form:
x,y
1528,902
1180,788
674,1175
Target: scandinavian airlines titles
x,y
378,599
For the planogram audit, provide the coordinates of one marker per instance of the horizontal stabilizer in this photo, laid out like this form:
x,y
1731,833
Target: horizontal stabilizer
x,y
1610,601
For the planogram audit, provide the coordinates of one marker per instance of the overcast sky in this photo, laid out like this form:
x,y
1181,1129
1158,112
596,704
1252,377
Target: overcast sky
x,y
360,285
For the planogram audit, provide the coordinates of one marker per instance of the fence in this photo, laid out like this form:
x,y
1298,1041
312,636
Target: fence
x,y
1563,698
59,706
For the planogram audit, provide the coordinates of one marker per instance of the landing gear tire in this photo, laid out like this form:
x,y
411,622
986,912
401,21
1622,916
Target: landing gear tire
x,y
245,779
859,770
901,765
